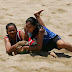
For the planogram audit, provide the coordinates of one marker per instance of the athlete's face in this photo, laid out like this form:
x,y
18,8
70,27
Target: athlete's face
x,y
12,31
30,28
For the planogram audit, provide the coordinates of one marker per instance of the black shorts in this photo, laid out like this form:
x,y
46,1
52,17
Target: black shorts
x,y
51,44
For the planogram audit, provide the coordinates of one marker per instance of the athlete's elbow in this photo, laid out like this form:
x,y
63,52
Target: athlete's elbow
x,y
8,51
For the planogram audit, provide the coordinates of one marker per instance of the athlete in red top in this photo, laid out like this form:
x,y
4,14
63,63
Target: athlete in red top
x,y
13,36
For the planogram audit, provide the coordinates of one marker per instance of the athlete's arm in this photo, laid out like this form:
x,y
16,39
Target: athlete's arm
x,y
39,42
8,46
22,35
37,15
25,34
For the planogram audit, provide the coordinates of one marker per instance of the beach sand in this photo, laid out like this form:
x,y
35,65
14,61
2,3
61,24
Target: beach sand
x,y
57,16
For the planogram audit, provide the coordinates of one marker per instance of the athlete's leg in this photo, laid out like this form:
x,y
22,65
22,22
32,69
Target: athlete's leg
x,y
62,44
37,15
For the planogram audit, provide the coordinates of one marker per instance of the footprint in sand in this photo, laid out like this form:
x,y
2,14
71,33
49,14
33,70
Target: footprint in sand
x,y
61,11
68,4
9,14
70,35
43,5
53,12
3,60
17,68
5,9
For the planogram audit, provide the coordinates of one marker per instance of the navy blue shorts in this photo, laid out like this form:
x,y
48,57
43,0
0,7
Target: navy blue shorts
x,y
51,44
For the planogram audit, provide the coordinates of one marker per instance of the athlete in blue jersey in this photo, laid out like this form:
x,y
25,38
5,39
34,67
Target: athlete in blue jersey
x,y
46,40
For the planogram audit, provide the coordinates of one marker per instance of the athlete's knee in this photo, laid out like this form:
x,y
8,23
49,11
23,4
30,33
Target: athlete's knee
x,y
60,44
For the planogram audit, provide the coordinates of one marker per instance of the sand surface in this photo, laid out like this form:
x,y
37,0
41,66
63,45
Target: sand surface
x,y
57,17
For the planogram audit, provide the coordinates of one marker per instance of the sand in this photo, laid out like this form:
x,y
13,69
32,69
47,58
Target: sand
x,y
57,17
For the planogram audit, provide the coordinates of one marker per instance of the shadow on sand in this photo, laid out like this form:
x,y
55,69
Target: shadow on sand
x,y
45,54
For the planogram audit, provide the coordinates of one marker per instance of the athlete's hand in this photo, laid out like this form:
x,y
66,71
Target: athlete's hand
x,y
21,43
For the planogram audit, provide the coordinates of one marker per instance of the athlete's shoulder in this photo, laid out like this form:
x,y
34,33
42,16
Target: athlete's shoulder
x,y
6,37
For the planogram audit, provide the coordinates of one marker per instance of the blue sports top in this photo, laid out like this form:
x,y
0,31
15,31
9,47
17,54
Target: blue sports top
x,y
48,35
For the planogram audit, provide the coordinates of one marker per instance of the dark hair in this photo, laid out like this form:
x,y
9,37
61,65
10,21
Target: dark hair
x,y
9,24
32,20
